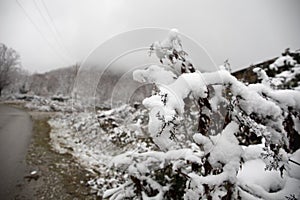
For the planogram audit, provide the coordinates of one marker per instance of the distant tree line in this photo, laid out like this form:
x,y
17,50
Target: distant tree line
x,y
15,80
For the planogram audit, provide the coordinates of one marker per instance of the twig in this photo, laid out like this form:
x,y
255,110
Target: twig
x,y
294,162
248,190
184,174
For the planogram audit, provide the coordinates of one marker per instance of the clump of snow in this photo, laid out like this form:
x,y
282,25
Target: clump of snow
x,y
253,172
226,149
164,49
266,184
172,105
204,142
253,152
281,61
140,164
284,98
289,75
154,74
262,75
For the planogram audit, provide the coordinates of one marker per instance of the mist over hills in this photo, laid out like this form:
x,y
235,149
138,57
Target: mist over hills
x,y
117,85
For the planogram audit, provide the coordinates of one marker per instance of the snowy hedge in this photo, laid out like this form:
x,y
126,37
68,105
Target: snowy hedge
x,y
238,127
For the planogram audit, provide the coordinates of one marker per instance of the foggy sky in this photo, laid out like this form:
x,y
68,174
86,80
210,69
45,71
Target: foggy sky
x,y
55,33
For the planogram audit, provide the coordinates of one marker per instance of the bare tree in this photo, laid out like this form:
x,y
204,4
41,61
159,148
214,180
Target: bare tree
x,y
9,59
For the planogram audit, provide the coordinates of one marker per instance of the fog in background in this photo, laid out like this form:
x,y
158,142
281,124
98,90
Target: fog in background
x,y
55,33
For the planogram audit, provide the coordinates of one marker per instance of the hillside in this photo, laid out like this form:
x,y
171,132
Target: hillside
x,y
61,81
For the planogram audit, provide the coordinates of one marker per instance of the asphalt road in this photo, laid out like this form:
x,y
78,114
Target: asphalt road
x,y
15,134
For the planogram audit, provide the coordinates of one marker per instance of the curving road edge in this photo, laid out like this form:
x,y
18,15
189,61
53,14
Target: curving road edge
x,y
15,135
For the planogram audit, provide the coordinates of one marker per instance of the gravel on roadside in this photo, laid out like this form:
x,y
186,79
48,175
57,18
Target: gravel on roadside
x,y
50,175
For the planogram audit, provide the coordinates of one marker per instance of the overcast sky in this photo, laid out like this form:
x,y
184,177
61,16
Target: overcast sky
x,y
56,33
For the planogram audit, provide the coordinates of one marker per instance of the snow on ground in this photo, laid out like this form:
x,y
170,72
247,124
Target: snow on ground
x,y
95,138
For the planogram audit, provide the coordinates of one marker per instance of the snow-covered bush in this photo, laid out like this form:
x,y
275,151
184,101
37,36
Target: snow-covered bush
x,y
237,125
93,139
284,72
53,104
288,66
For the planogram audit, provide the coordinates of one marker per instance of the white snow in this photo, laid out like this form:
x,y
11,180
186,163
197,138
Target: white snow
x,y
253,152
266,184
294,169
227,148
281,61
154,74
